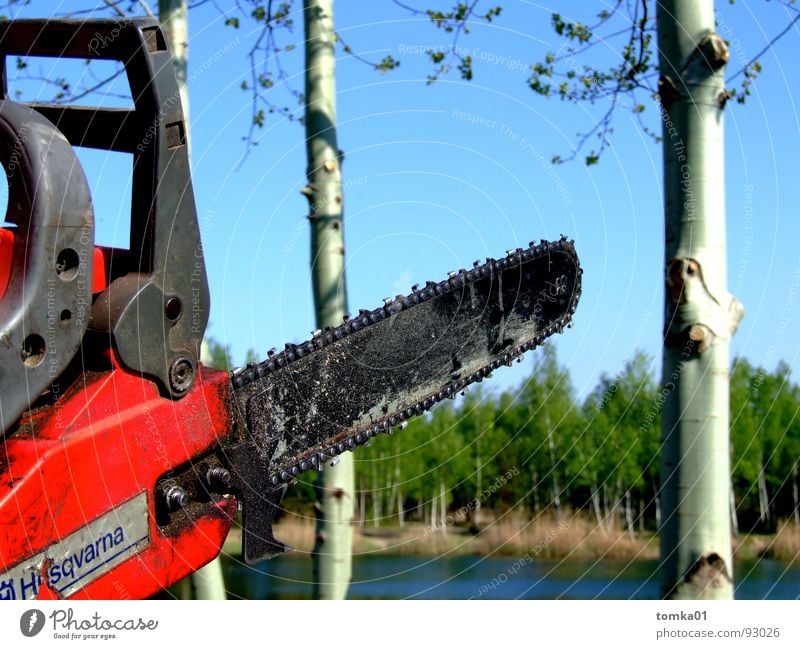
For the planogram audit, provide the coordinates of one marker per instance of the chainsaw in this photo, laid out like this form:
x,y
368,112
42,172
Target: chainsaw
x,y
125,461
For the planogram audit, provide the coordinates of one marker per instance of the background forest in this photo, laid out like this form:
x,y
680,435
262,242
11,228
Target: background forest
x,y
540,448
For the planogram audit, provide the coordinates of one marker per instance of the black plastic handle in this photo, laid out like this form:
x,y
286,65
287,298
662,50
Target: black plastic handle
x,y
45,310
156,310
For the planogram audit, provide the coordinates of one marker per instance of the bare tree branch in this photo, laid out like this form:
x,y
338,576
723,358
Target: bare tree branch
x,y
147,9
767,47
114,5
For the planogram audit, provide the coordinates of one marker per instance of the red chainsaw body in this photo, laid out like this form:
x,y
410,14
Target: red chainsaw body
x,y
104,443
103,403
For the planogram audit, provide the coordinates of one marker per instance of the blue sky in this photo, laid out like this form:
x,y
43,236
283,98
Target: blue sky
x,y
437,176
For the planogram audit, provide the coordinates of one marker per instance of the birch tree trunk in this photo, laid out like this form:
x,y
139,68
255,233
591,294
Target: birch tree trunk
x,y
335,488
362,502
208,582
763,495
553,474
795,496
700,314
172,14
443,502
598,514
734,516
629,515
476,511
401,514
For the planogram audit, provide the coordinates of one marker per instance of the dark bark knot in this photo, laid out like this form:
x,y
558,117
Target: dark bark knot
x,y
700,312
708,572
713,51
668,92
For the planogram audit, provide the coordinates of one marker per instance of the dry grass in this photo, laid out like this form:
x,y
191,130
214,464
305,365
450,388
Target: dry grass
x,y
544,537
785,545
575,536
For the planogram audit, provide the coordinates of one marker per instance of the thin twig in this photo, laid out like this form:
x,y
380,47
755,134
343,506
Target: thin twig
x,y
113,5
761,53
146,8
416,12
88,91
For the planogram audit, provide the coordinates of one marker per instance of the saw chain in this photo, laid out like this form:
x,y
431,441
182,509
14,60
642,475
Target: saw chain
x,y
305,405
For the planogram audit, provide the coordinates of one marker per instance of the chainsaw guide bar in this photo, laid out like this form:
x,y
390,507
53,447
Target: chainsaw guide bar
x,y
309,403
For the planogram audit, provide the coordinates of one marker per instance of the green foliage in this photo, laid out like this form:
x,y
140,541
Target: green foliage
x,y
455,21
765,439
750,72
387,63
572,76
521,448
219,354
620,81
621,74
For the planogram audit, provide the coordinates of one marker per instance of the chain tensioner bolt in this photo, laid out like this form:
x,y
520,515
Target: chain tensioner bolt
x,y
176,497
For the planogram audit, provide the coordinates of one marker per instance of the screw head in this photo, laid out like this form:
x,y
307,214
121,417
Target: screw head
x,y
181,375
218,476
176,497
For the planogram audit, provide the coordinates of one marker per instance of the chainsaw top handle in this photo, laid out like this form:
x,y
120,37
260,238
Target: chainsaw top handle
x,y
155,309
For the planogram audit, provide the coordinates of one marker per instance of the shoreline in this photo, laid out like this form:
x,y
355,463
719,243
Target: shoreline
x,y
574,536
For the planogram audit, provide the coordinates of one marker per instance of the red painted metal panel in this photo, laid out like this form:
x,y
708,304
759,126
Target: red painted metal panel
x,y
97,448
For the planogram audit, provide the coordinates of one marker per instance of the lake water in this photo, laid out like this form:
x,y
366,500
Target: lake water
x,y
404,577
